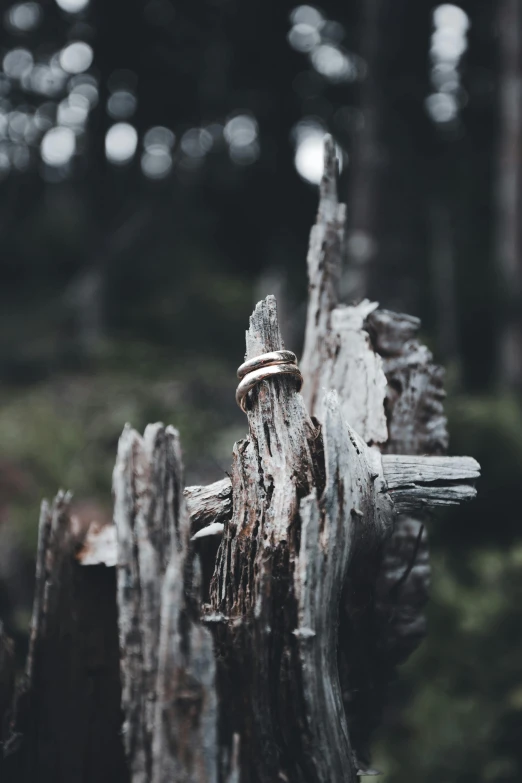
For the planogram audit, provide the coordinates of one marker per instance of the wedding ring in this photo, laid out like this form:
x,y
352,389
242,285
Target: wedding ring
x,y
254,377
266,359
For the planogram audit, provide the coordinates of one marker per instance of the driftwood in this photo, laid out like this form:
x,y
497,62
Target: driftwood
x,y
253,624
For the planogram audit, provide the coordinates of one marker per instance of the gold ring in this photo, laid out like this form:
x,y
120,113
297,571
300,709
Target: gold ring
x,y
261,374
266,359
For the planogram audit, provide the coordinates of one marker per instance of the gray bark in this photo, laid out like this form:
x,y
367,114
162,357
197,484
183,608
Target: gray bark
x,y
278,582
167,663
207,505
391,394
421,483
324,271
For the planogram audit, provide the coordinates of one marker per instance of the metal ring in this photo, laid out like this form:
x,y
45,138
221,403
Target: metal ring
x,y
262,373
265,360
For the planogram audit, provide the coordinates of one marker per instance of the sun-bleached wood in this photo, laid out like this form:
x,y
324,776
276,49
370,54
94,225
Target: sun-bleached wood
x,y
208,504
167,662
391,393
324,262
420,483
344,523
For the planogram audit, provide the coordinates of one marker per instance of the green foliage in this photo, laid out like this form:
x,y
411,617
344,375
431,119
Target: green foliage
x,y
64,433
462,692
489,429
457,713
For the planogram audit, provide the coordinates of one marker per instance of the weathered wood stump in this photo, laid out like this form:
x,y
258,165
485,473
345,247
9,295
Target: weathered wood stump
x,y
247,631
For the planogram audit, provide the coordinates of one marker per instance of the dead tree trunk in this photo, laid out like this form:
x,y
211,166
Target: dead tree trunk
x,y
253,624
67,721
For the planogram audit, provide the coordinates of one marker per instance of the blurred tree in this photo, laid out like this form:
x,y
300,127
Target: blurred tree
x,y
509,193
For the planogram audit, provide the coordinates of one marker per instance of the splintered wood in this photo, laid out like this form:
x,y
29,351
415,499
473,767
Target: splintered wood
x,y
66,721
253,624
167,662
278,579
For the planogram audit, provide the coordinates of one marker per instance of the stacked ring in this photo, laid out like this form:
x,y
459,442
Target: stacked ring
x,y
265,360
262,367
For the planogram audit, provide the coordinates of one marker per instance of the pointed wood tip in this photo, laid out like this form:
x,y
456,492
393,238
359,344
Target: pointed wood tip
x,y
328,187
263,334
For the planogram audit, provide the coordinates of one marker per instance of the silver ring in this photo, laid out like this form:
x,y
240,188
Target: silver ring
x,y
265,360
261,374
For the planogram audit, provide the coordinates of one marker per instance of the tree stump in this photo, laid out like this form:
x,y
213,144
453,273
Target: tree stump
x,y
247,631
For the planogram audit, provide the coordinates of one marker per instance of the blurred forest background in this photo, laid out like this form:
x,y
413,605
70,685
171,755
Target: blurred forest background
x,y
159,163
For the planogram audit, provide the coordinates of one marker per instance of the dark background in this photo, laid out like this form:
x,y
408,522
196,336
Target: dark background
x,y
131,261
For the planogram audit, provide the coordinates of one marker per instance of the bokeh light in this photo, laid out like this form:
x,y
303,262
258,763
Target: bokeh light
x,y
120,143
76,57
448,44
86,85
442,107
241,134
58,146
45,116
320,39
303,37
47,79
121,104
308,15
333,63
73,111
17,63
451,16
23,17
17,124
196,142
309,157
72,6
308,135
159,136
241,130
156,162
